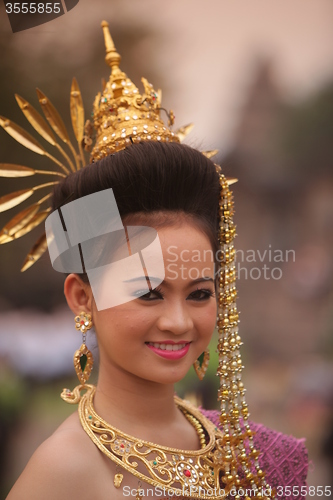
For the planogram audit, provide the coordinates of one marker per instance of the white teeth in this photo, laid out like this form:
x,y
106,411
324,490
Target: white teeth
x,y
167,347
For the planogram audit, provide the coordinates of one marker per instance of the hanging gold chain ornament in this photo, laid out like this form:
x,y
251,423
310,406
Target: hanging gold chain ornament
x,y
242,468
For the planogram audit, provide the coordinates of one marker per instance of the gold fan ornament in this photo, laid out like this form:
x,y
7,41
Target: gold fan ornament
x,y
121,116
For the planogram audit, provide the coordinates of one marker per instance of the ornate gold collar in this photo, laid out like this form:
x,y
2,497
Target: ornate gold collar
x,y
184,472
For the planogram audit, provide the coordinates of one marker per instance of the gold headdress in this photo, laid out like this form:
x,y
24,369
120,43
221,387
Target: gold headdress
x,y
122,116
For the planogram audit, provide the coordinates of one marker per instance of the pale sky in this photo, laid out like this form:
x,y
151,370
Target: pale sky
x,y
206,52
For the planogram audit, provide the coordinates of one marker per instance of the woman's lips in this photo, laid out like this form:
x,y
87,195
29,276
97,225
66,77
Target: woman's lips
x,y
169,349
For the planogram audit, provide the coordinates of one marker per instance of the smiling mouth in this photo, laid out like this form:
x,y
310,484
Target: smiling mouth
x,y
168,347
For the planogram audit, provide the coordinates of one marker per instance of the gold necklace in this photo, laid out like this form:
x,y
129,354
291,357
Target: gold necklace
x,y
197,425
190,473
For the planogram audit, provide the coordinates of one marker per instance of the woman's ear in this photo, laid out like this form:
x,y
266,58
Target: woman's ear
x,y
78,294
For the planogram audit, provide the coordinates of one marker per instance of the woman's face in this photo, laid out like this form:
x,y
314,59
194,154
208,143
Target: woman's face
x,y
158,336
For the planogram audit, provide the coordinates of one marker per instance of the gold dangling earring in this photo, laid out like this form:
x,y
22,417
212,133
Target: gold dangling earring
x,y
83,359
201,364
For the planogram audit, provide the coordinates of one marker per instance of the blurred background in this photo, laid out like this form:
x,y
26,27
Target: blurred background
x,y
256,78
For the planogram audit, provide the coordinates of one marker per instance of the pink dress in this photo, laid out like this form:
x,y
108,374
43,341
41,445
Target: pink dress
x,y
283,458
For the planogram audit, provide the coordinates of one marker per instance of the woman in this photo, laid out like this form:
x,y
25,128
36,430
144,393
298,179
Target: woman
x,y
131,436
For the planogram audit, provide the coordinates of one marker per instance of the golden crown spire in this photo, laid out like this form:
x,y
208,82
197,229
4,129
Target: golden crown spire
x,y
112,57
121,115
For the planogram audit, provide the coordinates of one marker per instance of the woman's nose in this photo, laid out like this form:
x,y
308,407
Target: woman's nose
x,y
175,318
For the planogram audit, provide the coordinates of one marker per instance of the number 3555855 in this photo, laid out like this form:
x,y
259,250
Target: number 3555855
x,y
33,8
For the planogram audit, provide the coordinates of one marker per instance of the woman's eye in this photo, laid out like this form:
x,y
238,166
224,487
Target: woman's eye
x,y
201,294
149,296
198,295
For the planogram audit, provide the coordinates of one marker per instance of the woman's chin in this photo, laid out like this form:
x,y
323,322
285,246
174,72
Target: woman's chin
x,y
167,378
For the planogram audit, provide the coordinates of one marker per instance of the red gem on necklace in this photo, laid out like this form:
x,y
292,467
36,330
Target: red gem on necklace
x,y
187,473
122,446
82,322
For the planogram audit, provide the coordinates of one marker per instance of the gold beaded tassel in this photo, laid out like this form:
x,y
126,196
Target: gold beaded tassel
x,y
231,392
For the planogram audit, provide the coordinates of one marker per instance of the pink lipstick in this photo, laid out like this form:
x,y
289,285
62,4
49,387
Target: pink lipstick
x,y
169,349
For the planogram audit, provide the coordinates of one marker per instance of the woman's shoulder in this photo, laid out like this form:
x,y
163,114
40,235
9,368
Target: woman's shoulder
x,y
58,466
283,457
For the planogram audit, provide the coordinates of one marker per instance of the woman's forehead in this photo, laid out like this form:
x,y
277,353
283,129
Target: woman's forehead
x,y
184,238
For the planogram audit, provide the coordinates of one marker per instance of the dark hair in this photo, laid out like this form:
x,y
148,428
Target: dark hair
x,y
150,177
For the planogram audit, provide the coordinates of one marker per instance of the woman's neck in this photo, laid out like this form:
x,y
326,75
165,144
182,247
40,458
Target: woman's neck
x,y
131,403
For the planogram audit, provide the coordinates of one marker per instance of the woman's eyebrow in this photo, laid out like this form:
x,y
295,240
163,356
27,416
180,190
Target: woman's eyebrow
x,y
166,283
200,280
141,278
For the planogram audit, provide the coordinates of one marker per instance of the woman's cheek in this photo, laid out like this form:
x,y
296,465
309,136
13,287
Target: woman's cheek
x,y
207,319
